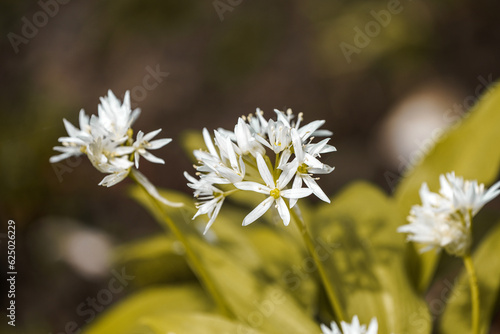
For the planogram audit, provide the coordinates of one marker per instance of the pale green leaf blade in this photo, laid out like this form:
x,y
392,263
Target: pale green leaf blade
x,y
150,302
363,256
192,323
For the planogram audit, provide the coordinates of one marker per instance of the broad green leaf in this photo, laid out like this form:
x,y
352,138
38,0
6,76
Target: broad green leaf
x,y
363,255
253,300
192,323
156,259
457,315
470,149
159,302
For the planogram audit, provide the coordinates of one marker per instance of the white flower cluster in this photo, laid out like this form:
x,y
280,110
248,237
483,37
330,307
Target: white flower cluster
x,y
444,219
239,160
107,141
353,328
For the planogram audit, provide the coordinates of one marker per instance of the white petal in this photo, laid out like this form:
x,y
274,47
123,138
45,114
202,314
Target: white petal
x,y
253,186
148,156
214,215
209,143
296,193
311,183
287,174
297,184
159,143
264,172
258,211
283,210
114,178
297,146
151,135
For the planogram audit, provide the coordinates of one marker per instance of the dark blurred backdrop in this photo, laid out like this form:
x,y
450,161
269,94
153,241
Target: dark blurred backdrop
x,y
385,75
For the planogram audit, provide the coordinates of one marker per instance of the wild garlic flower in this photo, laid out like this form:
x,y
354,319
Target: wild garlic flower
x,y
444,219
107,140
353,328
240,160
275,190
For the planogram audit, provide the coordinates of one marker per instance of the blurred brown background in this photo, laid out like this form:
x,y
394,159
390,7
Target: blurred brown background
x,y
387,76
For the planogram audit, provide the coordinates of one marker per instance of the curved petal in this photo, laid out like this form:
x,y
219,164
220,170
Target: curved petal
x,y
258,211
283,211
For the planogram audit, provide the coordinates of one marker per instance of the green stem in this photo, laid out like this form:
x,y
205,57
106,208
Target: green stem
x,y
195,263
332,297
474,290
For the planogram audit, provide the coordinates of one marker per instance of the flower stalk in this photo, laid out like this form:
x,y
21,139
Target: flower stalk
x,y
195,263
474,290
332,296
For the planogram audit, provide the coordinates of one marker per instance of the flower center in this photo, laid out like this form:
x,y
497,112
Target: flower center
x,y
302,169
275,193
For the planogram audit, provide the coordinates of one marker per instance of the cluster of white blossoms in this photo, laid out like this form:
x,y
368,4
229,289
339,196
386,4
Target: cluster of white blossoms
x,y
241,160
107,140
353,328
444,219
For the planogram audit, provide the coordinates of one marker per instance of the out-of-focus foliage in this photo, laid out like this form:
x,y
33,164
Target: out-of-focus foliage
x,y
364,257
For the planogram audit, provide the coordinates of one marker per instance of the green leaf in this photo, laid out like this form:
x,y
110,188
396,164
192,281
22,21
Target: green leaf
x,y
156,259
470,149
150,302
253,300
363,255
192,323
457,315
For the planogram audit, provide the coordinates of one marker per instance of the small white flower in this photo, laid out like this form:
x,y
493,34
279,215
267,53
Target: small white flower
x,y
279,137
115,117
274,189
438,230
306,165
144,143
444,219
353,328
241,160
107,157
75,143
210,197
464,195
245,139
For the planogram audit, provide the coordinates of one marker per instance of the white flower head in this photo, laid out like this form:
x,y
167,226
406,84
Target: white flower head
x,y
444,219
144,143
117,117
242,161
210,198
107,141
353,328
75,143
275,190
